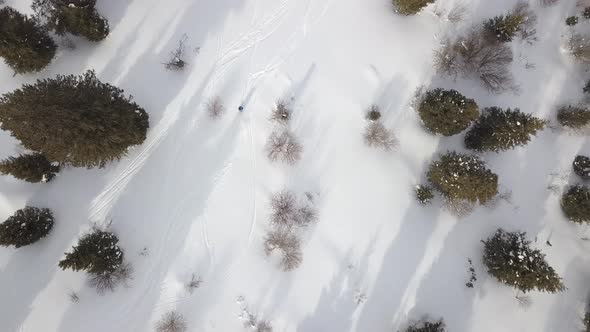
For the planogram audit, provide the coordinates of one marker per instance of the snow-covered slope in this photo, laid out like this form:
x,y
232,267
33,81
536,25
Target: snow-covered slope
x,y
194,198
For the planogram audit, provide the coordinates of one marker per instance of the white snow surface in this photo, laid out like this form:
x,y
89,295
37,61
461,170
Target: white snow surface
x,y
196,193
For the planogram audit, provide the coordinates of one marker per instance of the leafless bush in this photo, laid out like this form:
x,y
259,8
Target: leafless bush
x,y
263,326
171,321
458,208
373,113
252,322
193,284
109,281
73,295
67,43
281,113
177,61
377,136
215,108
476,55
306,215
283,147
458,12
289,246
579,47
284,208
546,3
527,29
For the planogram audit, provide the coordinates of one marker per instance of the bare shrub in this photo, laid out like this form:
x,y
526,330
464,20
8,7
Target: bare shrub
x,y
104,282
281,113
283,147
458,207
547,3
458,12
284,208
579,47
377,136
193,284
215,108
177,61
171,321
74,297
475,55
263,326
373,113
289,246
306,215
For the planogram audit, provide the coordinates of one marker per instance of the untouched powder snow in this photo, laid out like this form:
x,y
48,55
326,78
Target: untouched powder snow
x,y
194,198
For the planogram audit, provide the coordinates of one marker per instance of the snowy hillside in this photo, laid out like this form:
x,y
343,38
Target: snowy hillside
x,y
193,201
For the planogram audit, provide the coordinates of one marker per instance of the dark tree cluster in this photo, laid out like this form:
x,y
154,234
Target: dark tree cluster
x,y
77,17
505,27
511,260
447,112
581,166
574,117
75,120
427,326
24,44
26,226
575,204
33,168
410,7
96,253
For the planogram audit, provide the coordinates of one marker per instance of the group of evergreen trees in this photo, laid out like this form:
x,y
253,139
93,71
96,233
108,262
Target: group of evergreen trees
x,y
25,42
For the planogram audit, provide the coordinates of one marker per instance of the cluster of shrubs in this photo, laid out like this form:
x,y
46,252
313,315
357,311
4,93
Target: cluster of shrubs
x,y
25,43
376,134
289,215
282,145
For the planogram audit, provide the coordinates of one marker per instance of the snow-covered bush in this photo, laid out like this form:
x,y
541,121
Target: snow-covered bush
x,y
95,253
104,282
463,177
377,136
78,17
505,27
473,55
575,204
581,166
281,113
283,146
447,112
575,117
215,108
423,194
76,120
33,167
510,259
289,246
437,326
410,7
171,321
373,113
498,130
26,226
24,45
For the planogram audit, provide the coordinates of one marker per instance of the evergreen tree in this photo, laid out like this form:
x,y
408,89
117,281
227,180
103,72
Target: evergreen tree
x,y
24,45
573,116
497,130
78,17
74,119
29,167
438,326
463,177
571,21
575,204
410,7
510,259
504,28
581,167
423,194
26,226
96,253
447,112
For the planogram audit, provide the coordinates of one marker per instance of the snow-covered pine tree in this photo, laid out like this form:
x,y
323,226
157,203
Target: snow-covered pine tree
x,y
76,120
498,130
575,204
78,17
463,177
504,27
510,259
25,45
96,253
447,112
575,117
581,166
26,226
34,167
410,7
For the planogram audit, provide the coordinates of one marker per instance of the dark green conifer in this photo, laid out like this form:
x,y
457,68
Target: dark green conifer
x,y
447,112
505,27
463,177
26,226
575,117
96,253
25,46
423,194
76,120
438,326
575,204
410,7
33,167
581,167
498,130
510,259
78,17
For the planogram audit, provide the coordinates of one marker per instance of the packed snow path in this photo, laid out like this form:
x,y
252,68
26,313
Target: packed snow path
x,y
193,199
